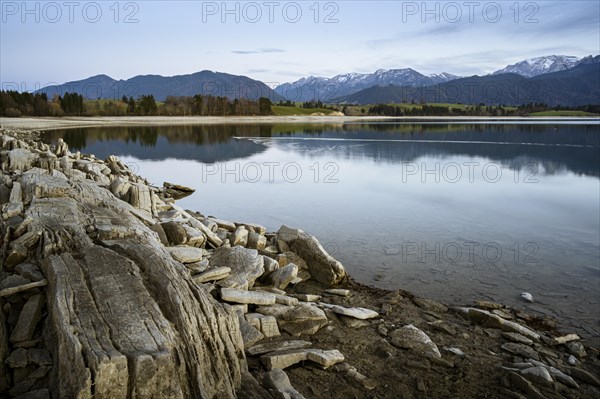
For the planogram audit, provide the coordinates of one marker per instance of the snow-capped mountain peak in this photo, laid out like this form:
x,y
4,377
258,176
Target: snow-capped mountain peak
x,y
540,65
325,89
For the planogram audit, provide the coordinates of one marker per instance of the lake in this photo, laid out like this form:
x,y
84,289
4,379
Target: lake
x,y
455,211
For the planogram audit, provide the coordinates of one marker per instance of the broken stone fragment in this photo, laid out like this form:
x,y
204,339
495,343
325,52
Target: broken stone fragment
x,y
28,319
239,237
194,237
283,276
265,324
256,241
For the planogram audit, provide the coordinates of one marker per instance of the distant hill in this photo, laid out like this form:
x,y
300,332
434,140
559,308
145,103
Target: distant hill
x,y
325,89
576,86
204,82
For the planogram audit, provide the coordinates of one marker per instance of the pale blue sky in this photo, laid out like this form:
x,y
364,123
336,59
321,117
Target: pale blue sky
x,y
180,37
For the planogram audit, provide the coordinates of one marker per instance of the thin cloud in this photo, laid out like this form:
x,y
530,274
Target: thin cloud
x,y
259,51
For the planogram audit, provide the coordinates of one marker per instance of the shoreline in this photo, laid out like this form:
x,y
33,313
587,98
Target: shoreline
x,y
50,123
286,317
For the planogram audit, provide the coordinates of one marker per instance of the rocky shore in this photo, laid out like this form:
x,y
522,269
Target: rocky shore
x,y
109,289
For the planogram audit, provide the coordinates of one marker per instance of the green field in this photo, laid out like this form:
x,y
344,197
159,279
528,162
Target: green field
x,y
291,111
562,113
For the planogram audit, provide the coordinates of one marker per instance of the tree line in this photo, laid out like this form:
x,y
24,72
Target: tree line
x,y
15,104
471,110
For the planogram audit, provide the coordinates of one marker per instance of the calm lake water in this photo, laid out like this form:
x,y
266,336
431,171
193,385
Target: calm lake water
x,y
453,211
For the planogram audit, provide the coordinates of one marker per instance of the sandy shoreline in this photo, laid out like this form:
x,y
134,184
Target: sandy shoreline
x,y
80,122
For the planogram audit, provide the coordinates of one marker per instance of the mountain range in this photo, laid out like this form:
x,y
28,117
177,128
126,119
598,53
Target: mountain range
x,y
204,82
553,79
325,89
579,85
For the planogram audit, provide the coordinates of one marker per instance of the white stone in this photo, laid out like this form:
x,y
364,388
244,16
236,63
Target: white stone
x,y
249,297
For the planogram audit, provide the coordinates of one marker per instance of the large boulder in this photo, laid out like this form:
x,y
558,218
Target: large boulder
x,y
322,266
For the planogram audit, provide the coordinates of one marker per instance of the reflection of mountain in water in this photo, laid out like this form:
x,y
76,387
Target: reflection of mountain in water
x,y
208,144
553,147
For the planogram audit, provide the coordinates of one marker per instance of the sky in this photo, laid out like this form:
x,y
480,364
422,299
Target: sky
x,y
49,42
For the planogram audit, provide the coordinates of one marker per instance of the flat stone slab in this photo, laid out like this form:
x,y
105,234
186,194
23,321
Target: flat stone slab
x,y
284,359
247,297
287,358
185,254
325,358
357,313
215,274
278,346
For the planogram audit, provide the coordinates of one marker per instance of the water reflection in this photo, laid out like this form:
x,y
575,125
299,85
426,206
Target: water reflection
x,y
554,148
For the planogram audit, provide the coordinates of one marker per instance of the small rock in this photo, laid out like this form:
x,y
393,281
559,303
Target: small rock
x,y
538,374
307,297
488,305
239,237
428,304
521,350
386,309
514,337
175,233
337,291
454,351
573,361
441,325
564,339
526,296
325,358
410,337
194,237
382,330
577,349
256,241
270,264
